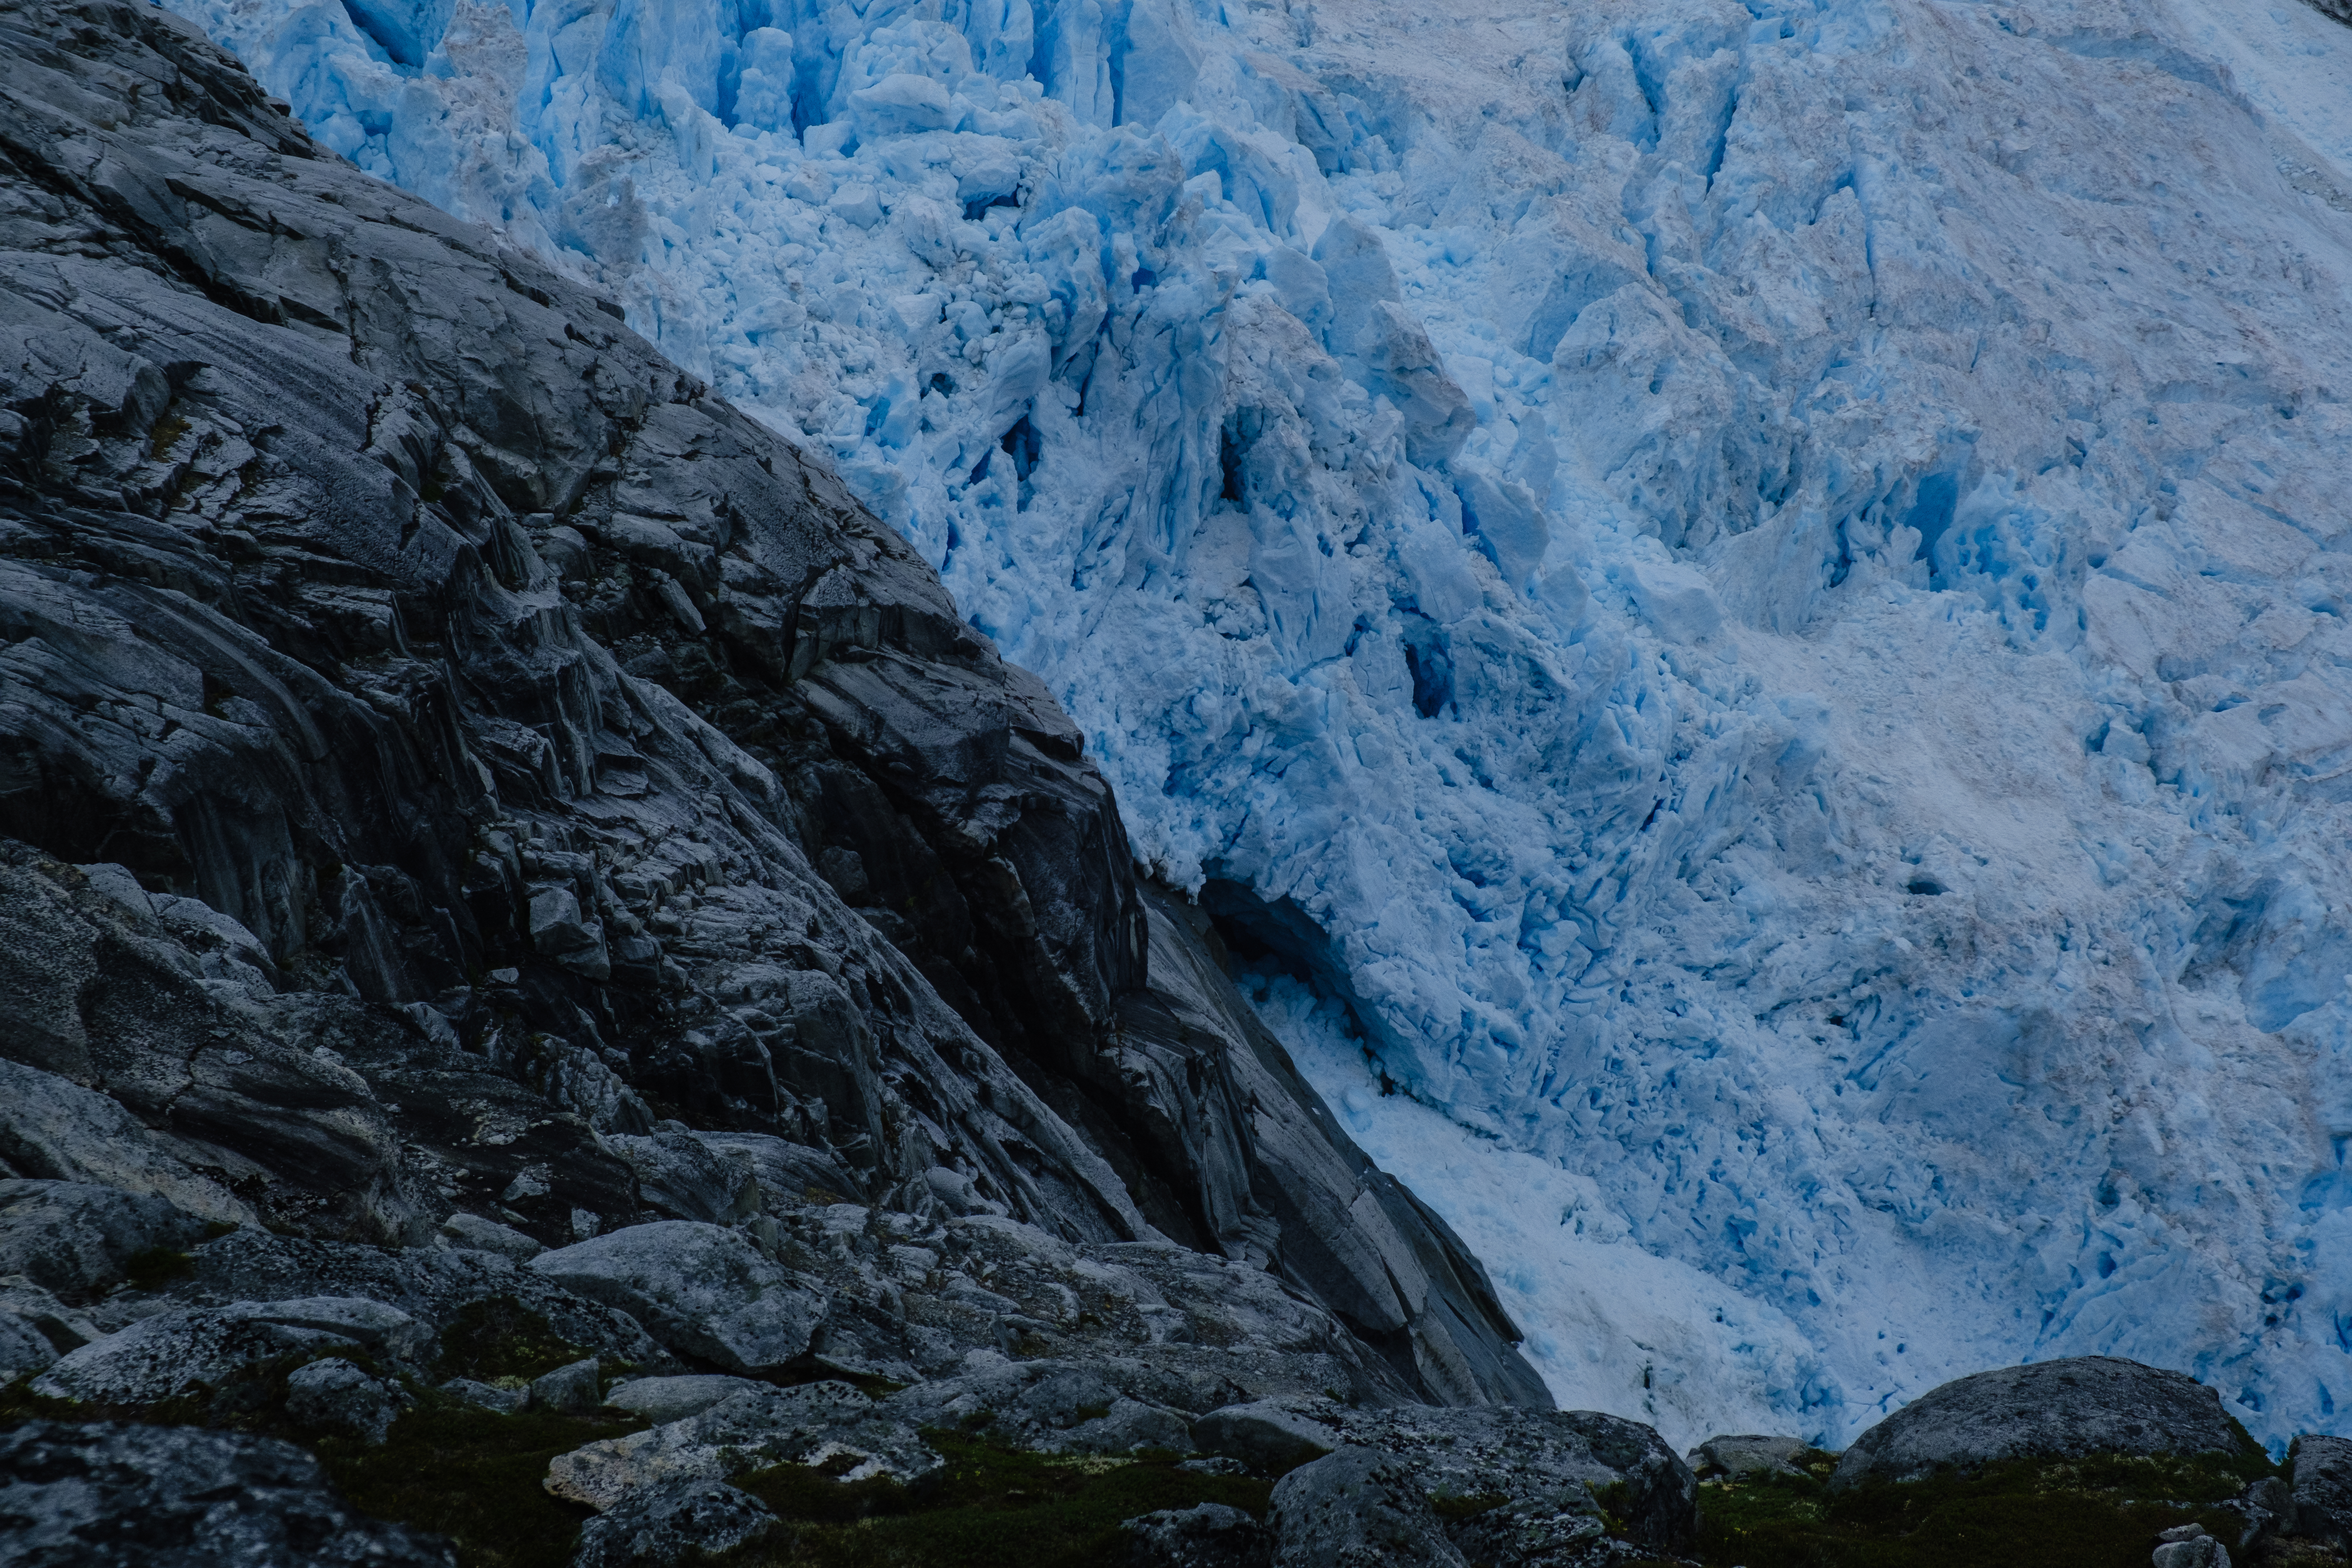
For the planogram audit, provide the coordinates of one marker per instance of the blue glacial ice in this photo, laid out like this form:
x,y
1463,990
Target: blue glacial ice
x,y
1764,573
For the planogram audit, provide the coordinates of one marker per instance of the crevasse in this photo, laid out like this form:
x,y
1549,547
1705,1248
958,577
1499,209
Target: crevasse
x,y
1768,577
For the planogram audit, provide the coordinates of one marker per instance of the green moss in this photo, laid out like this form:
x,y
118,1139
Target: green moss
x,y
473,1476
1454,1509
19,1404
499,1339
991,1508
166,434
252,1398
446,1466
1616,1500
156,1268
799,1493
2100,1513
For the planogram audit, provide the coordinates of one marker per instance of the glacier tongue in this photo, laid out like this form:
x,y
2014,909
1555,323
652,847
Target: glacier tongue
x,y
1765,576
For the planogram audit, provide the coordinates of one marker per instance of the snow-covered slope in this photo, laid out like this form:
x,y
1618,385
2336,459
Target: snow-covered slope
x,y
1767,576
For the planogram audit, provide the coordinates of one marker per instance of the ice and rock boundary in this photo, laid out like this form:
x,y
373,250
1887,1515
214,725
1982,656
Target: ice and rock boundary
x,y
1759,584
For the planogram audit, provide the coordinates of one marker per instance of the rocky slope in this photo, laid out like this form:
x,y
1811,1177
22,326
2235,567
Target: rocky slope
x,y
453,764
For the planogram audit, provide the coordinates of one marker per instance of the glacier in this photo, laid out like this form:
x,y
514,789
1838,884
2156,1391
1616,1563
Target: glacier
x,y
1750,599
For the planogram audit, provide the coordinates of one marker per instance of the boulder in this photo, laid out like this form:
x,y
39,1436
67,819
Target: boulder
x,y
2057,1409
476,1234
2267,1505
1108,1407
665,1525
2188,1546
1542,1472
337,1397
684,1177
29,1309
661,1400
175,1352
1744,1455
699,1289
102,1493
1209,1536
488,1395
828,1424
789,1174
1358,1508
1267,1436
75,1240
2322,1468
569,1389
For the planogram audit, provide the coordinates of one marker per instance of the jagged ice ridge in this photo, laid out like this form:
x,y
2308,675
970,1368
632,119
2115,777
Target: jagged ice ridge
x,y
1750,597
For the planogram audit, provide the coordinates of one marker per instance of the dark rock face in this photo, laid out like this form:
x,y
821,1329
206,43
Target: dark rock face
x,y
1209,1536
1291,1182
452,764
2320,1508
99,1495
336,1396
2058,1409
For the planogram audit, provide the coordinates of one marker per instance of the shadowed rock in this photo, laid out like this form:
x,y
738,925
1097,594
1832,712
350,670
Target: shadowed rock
x,y
103,1493
812,1425
168,1354
335,1395
673,1524
1210,1535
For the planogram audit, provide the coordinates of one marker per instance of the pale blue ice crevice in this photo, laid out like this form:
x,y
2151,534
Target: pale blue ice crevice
x,y
1770,576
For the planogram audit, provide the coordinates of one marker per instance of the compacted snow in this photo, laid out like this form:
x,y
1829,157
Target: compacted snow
x,y
1748,596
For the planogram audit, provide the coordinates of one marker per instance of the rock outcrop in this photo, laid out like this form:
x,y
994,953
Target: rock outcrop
x,y
2055,1410
2320,1507
1522,1487
456,772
